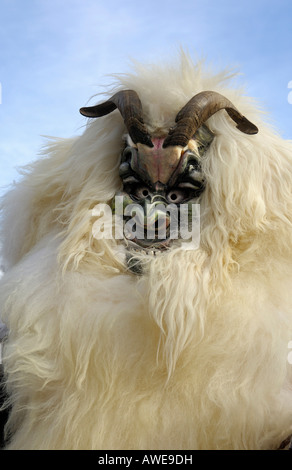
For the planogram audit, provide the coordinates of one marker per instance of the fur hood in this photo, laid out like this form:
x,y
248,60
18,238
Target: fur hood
x,y
193,353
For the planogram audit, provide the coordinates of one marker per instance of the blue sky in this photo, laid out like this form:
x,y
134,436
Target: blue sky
x,y
56,54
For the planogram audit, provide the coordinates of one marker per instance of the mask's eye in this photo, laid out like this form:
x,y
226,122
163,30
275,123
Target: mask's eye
x,y
139,192
143,192
176,196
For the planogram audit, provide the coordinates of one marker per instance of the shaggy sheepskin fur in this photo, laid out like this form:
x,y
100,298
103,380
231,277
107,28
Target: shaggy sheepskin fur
x,y
193,353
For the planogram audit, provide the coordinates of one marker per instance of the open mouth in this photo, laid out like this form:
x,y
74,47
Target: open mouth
x,y
157,236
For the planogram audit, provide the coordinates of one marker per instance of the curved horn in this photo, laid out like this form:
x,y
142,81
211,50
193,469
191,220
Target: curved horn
x,y
200,108
130,107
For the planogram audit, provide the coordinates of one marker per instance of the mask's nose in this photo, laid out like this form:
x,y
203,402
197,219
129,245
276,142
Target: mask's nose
x,y
158,199
157,219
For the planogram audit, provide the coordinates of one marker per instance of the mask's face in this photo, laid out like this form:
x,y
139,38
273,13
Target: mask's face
x,y
162,175
157,183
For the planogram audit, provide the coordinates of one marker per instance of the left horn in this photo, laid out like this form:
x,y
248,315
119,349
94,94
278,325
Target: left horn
x,y
130,107
200,108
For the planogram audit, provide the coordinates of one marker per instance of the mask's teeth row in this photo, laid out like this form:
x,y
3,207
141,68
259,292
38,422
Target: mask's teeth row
x,y
147,252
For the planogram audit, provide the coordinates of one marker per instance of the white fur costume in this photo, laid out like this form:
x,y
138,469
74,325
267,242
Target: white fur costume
x,y
190,355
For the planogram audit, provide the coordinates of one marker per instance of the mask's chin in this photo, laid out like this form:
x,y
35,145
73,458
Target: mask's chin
x,y
138,252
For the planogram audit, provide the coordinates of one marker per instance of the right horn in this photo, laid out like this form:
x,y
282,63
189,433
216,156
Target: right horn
x,y
200,108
